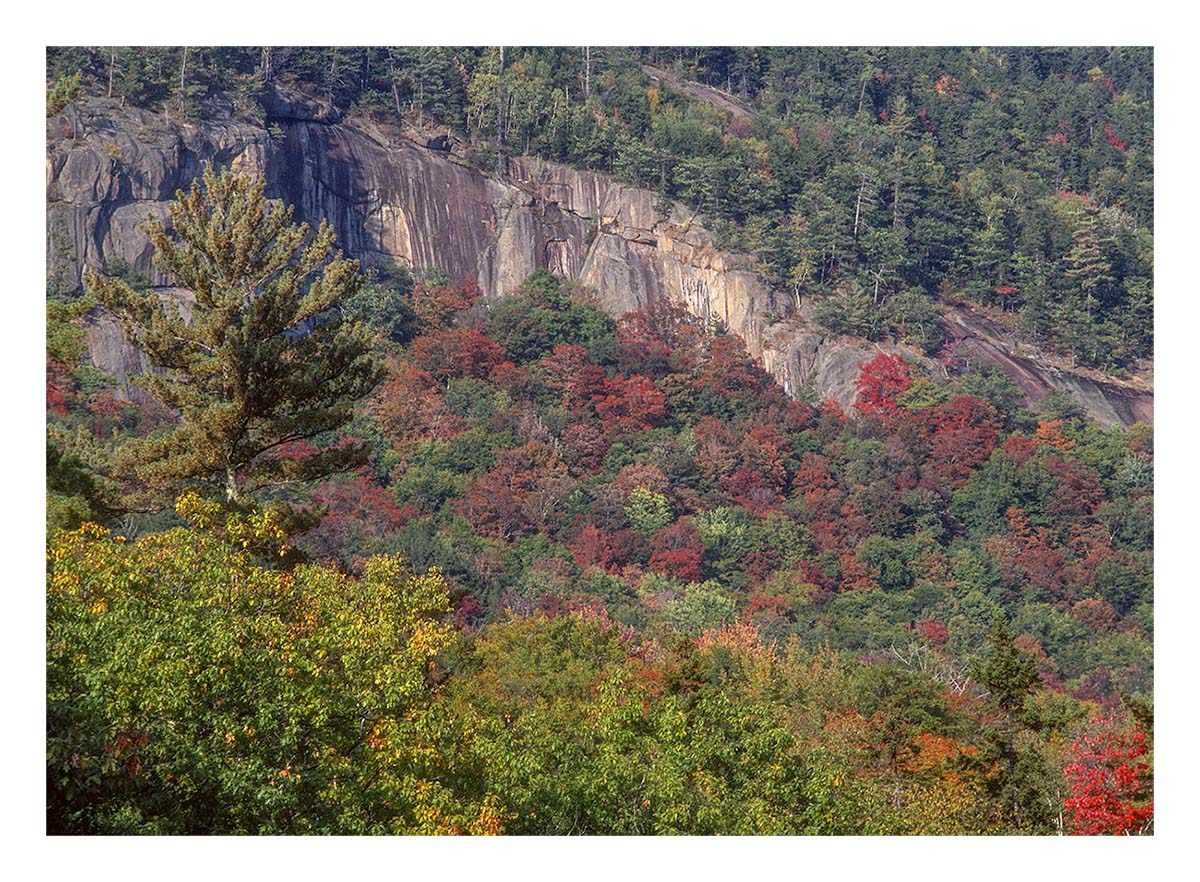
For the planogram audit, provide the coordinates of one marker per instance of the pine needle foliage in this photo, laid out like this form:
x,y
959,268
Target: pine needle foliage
x,y
265,358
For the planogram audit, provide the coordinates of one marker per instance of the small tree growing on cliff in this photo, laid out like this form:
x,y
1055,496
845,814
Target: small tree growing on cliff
x,y
263,360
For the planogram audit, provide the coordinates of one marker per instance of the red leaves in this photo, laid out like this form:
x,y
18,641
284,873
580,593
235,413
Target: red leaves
x,y
397,405
584,447
728,370
648,477
594,547
1077,489
1020,448
1105,82
682,564
752,490
879,382
629,404
60,385
933,632
962,412
359,511
964,435
1026,559
1049,433
521,493
458,352
676,551
947,356
746,464
467,611
855,575
436,305
1109,784
1096,613
568,370
815,483
946,85
643,345
296,451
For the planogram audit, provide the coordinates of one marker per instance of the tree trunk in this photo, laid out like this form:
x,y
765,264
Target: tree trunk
x,y
182,84
112,64
231,487
858,202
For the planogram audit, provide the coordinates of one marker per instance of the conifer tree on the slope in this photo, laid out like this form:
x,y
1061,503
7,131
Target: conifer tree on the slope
x,y
1010,675
265,358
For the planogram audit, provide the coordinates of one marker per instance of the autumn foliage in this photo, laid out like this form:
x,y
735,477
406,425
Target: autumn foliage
x,y
756,615
880,380
1109,781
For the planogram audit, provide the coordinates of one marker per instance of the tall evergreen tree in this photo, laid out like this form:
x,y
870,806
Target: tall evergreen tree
x,y
264,359
1009,674
1087,266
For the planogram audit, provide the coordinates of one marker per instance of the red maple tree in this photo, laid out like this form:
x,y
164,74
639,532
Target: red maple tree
x,y
457,352
1108,781
676,551
880,380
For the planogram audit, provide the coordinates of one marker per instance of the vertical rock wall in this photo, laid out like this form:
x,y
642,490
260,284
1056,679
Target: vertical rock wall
x,y
108,169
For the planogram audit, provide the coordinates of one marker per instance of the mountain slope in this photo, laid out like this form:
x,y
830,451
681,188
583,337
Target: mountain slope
x,y
391,198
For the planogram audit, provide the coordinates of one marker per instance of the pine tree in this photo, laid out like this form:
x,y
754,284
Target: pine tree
x,y
1009,674
264,359
1089,278
1087,264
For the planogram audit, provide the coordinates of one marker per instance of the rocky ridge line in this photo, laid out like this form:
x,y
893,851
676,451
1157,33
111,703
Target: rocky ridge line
x,y
109,168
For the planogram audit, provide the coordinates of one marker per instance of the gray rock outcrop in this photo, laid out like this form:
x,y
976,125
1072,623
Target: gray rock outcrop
x,y
389,198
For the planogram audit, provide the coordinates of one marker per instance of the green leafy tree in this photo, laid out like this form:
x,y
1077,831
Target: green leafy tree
x,y
647,511
384,302
264,359
1087,264
74,494
190,690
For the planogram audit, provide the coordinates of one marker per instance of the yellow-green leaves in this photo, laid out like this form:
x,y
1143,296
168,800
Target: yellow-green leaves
x,y
199,691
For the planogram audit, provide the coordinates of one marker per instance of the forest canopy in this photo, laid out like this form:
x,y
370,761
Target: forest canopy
x,y
580,573
887,179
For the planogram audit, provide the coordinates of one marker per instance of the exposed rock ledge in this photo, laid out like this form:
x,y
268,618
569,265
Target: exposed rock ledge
x,y
108,169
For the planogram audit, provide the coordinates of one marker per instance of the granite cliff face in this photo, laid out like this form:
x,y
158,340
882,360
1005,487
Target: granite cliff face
x,y
108,169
